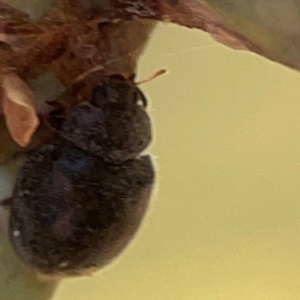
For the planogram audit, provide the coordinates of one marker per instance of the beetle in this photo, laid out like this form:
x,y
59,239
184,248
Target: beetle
x,y
79,200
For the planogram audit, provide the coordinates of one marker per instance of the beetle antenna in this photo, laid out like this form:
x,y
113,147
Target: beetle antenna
x,y
157,74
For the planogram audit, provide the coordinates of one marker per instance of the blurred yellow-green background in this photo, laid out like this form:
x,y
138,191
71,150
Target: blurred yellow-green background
x,y
225,218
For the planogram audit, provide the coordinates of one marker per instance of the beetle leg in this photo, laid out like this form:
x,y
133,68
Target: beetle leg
x,y
5,203
142,97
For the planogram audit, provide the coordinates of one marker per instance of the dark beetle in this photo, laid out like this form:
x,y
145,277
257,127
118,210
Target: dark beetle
x,y
79,200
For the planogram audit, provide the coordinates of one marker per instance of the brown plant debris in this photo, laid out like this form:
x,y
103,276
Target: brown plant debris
x,y
19,108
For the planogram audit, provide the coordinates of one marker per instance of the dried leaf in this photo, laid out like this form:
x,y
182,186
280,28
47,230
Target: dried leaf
x,y
269,28
19,108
